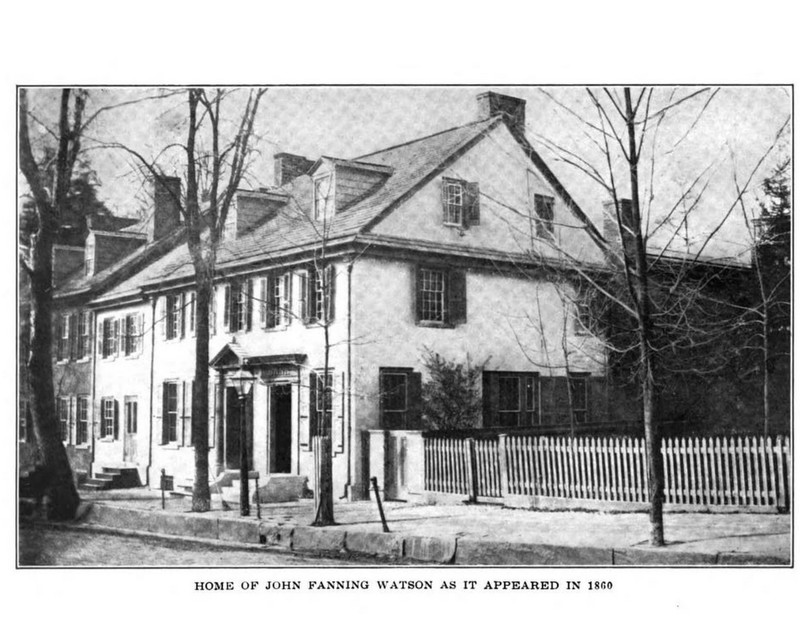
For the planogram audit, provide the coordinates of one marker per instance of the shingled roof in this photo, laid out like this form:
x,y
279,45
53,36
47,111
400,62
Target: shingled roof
x,y
413,164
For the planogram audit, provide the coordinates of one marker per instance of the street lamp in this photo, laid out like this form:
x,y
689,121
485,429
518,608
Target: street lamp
x,y
243,382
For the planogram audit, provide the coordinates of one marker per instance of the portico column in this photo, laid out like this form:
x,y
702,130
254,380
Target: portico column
x,y
219,422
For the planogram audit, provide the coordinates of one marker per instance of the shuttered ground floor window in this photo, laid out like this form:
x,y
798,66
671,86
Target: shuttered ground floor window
x,y
510,399
400,392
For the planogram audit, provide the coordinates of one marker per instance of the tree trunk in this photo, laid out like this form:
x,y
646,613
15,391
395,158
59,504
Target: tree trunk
x,y
323,457
201,494
651,431
60,489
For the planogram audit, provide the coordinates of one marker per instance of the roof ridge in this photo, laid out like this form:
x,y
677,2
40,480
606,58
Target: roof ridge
x,y
421,138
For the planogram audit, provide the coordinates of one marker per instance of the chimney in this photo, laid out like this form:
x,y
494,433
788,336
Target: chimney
x,y
513,109
611,227
289,166
166,209
66,260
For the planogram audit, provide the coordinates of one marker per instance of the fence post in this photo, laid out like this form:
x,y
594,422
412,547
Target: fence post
x,y
503,460
473,470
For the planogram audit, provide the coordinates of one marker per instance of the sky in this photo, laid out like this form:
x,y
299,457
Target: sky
x,y
718,133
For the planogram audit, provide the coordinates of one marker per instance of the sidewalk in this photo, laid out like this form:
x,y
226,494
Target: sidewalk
x,y
463,534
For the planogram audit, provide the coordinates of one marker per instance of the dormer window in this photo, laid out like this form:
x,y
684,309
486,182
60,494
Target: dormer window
x,y
323,198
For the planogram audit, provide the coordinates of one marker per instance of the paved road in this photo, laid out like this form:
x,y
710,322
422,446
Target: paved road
x,y
47,546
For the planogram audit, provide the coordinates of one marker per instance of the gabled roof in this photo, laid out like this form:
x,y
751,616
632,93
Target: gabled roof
x,y
412,163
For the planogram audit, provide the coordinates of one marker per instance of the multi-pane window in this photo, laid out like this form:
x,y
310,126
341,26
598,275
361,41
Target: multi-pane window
x,y
453,203
432,296
238,306
64,321
110,337
319,292
132,339
323,198
579,391
510,399
82,418
108,413
543,207
64,417
276,306
131,415
174,316
191,305
323,403
84,334
170,412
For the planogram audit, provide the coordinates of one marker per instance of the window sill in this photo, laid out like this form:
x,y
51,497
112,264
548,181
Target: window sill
x,y
171,446
435,324
107,440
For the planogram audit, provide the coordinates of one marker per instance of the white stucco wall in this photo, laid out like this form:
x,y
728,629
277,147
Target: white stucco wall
x,y
499,166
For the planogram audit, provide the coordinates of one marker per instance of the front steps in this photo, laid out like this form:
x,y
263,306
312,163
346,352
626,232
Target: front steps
x,y
273,488
121,477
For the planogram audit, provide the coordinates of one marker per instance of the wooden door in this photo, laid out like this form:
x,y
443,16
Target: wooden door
x,y
130,431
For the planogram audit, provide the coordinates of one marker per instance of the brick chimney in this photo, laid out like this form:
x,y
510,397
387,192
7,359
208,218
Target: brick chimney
x,y
166,210
513,109
289,166
66,260
611,228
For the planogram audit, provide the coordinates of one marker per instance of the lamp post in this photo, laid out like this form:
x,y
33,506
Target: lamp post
x,y
243,382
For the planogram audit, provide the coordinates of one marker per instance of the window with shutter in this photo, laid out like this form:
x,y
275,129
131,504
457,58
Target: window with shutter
x,y
82,420
84,334
510,399
170,412
107,418
431,304
63,418
73,336
394,398
321,403
453,202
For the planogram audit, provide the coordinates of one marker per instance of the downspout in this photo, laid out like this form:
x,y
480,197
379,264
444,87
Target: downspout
x,y
153,301
94,390
349,485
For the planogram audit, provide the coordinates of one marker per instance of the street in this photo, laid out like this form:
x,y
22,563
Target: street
x,y
47,546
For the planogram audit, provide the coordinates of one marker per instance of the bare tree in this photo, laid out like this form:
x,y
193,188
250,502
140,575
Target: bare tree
x,y
50,204
214,166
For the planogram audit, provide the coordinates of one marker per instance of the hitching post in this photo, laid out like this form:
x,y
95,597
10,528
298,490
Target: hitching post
x,y
380,506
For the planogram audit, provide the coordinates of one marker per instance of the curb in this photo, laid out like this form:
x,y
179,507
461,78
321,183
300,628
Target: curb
x,y
463,551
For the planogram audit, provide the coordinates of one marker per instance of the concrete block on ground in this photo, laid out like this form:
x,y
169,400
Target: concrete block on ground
x,y
121,518
281,488
275,535
374,543
752,559
232,530
188,524
477,552
317,539
433,550
662,557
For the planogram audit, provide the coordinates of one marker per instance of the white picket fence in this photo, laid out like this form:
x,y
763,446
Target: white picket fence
x,y
707,472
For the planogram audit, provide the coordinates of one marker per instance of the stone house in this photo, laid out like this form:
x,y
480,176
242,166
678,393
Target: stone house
x,y
433,244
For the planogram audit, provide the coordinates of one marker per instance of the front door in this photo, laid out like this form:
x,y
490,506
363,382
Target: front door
x,y
235,411
129,452
281,429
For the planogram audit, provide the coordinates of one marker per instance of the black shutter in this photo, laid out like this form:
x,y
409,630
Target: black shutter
x,y
472,215
248,304
561,400
164,413
330,290
444,199
491,399
271,303
416,293
311,299
182,321
414,399
116,420
312,405
73,336
457,297
226,316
